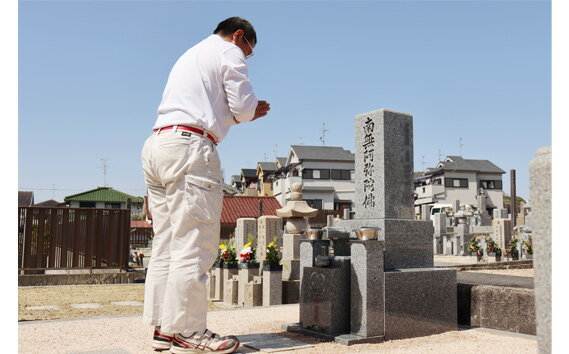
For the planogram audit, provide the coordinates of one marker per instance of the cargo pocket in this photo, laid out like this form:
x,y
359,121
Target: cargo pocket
x,y
203,198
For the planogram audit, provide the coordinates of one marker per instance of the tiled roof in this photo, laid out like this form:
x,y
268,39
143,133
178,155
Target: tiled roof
x,y
249,172
281,161
457,163
268,166
235,207
25,198
141,224
103,194
50,203
334,153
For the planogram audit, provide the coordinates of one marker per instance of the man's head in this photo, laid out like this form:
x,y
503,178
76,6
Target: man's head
x,y
238,31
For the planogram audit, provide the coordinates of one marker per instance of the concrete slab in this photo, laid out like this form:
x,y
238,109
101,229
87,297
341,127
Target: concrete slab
x,y
46,307
127,303
86,306
494,279
271,343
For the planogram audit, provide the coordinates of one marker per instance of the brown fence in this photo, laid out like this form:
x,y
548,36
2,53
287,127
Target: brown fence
x,y
65,238
140,236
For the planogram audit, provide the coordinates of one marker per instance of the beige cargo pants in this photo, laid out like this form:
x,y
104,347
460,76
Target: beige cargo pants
x,y
183,174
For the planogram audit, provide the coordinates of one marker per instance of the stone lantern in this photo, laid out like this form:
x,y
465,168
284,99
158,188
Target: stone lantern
x,y
295,211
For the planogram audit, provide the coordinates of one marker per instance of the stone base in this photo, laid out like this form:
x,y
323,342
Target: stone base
x,y
408,243
325,300
291,291
420,302
291,269
297,328
351,339
253,294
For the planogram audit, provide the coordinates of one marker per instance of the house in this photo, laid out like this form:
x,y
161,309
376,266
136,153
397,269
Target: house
x,y
25,198
105,197
249,181
236,183
325,172
457,178
240,206
265,177
51,203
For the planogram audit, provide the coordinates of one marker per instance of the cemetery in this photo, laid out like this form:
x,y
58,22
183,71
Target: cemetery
x,y
356,279
368,276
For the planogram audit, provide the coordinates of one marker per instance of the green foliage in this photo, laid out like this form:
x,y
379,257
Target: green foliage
x,y
529,246
273,257
228,255
513,250
491,246
474,246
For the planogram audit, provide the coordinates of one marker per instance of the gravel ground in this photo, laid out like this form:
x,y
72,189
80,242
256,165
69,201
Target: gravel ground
x,y
128,334
63,296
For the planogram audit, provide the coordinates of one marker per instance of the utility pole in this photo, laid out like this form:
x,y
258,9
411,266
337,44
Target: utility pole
x,y
53,192
460,145
105,167
440,154
276,151
323,136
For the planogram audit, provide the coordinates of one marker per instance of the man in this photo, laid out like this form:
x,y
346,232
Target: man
x,y
207,92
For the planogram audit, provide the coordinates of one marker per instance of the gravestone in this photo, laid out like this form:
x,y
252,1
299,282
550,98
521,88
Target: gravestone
x,y
498,213
230,291
384,189
246,273
402,264
210,285
218,291
540,190
253,293
272,285
502,232
268,228
245,227
367,290
228,273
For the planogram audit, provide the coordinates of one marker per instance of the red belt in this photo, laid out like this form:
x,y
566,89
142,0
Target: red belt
x,y
190,129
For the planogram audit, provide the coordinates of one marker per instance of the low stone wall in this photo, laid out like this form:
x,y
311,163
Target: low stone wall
x,y
523,264
504,308
80,279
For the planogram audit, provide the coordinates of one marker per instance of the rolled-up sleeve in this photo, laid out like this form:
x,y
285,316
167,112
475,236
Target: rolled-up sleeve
x,y
241,99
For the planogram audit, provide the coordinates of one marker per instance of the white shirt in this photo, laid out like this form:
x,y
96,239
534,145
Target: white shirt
x,y
207,87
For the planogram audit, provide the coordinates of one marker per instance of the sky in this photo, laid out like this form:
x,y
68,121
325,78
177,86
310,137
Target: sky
x,y
475,75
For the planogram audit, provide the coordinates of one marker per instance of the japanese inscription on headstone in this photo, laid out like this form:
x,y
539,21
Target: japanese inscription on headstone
x,y
368,149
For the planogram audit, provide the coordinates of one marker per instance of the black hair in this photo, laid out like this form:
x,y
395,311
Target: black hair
x,y
228,26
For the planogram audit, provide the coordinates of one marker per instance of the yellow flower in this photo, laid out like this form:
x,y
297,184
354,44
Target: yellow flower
x,y
272,244
247,245
222,247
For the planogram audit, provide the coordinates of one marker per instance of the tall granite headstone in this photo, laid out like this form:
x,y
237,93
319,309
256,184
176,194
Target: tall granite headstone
x,y
384,189
268,228
540,190
245,228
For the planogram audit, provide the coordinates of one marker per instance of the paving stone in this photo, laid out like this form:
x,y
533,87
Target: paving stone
x,y
86,306
271,343
46,307
127,303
